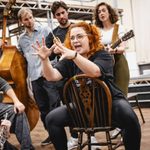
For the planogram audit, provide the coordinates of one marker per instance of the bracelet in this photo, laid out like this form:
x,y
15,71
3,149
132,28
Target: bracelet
x,y
116,50
74,56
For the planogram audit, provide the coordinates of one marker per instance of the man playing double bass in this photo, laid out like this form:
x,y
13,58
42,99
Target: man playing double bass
x,y
17,119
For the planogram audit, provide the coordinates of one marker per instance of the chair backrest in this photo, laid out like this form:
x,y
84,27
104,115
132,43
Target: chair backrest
x,y
89,101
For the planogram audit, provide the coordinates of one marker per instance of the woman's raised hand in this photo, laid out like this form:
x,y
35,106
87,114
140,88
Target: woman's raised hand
x,y
42,51
65,52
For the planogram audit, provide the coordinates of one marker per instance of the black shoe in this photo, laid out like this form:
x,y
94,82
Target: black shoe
x,y
32,147
9,146
46,142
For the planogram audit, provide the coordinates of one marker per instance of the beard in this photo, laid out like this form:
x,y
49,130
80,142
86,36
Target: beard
x,y
63,22
30,26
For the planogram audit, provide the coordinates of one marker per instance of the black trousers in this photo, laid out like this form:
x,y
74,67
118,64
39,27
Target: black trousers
x,y
46,95
122,114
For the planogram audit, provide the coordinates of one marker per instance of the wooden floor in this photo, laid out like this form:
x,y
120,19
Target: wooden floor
x,y
38,134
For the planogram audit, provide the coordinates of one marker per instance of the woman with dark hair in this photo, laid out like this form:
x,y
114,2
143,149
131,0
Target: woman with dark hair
x,y
106,19
83,51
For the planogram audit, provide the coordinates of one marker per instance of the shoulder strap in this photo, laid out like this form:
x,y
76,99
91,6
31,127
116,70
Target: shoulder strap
x,y
115,33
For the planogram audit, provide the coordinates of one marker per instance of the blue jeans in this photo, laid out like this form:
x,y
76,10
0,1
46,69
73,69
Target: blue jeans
x,y
19,127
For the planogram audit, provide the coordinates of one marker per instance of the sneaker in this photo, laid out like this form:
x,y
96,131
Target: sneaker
x,y
115,133
72,143
95,147
120,143
46,142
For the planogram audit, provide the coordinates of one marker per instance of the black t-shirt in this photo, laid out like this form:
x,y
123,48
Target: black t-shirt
x,y
58,32
103,60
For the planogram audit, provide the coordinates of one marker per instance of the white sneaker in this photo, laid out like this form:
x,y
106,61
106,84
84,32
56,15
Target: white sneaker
x,y
115,133
72,143
94,147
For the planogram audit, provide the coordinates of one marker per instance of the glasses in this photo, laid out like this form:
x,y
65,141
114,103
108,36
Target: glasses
x,y
78,37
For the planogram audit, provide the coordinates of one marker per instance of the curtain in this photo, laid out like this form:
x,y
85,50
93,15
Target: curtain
x,y
141,20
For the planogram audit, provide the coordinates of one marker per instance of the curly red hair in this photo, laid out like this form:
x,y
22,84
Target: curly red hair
x,y
93,35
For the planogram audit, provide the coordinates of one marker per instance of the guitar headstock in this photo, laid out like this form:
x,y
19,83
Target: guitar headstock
x,y
127,35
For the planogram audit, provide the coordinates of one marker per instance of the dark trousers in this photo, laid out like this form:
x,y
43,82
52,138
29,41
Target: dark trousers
x,y
46,95
122,114
19,127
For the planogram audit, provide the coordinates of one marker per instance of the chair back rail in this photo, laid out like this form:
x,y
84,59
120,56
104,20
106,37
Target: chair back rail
x,y
89,102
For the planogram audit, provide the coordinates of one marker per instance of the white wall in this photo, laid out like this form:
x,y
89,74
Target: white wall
x,y
136,16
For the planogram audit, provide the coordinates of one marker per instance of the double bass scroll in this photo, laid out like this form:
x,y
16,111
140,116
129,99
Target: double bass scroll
x,y
6,13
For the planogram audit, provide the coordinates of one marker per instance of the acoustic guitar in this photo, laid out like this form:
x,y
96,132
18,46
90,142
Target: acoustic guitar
x,y
125,37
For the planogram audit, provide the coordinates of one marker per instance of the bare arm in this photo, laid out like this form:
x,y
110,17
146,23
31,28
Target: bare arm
x,y
53,74
18,106
6,88
118,50
50,73
88,67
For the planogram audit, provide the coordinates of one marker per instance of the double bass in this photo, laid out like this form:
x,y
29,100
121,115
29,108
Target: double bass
x,y
13,69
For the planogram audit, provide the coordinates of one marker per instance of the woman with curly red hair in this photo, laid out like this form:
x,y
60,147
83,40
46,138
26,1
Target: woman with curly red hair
x,y
83,51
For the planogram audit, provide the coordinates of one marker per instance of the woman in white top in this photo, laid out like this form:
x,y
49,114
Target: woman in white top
x,y
106,19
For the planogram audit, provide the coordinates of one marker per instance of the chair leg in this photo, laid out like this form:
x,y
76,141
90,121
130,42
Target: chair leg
x,y
109,140
89,141
80,138
139,107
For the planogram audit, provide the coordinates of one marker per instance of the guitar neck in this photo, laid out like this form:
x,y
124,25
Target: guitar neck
x,y
116,44
4,29
125,37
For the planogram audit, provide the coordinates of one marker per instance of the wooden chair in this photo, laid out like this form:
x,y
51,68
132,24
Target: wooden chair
x,y
89,103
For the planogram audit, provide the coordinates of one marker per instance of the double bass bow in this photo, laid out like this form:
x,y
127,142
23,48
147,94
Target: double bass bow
x,y
13,69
